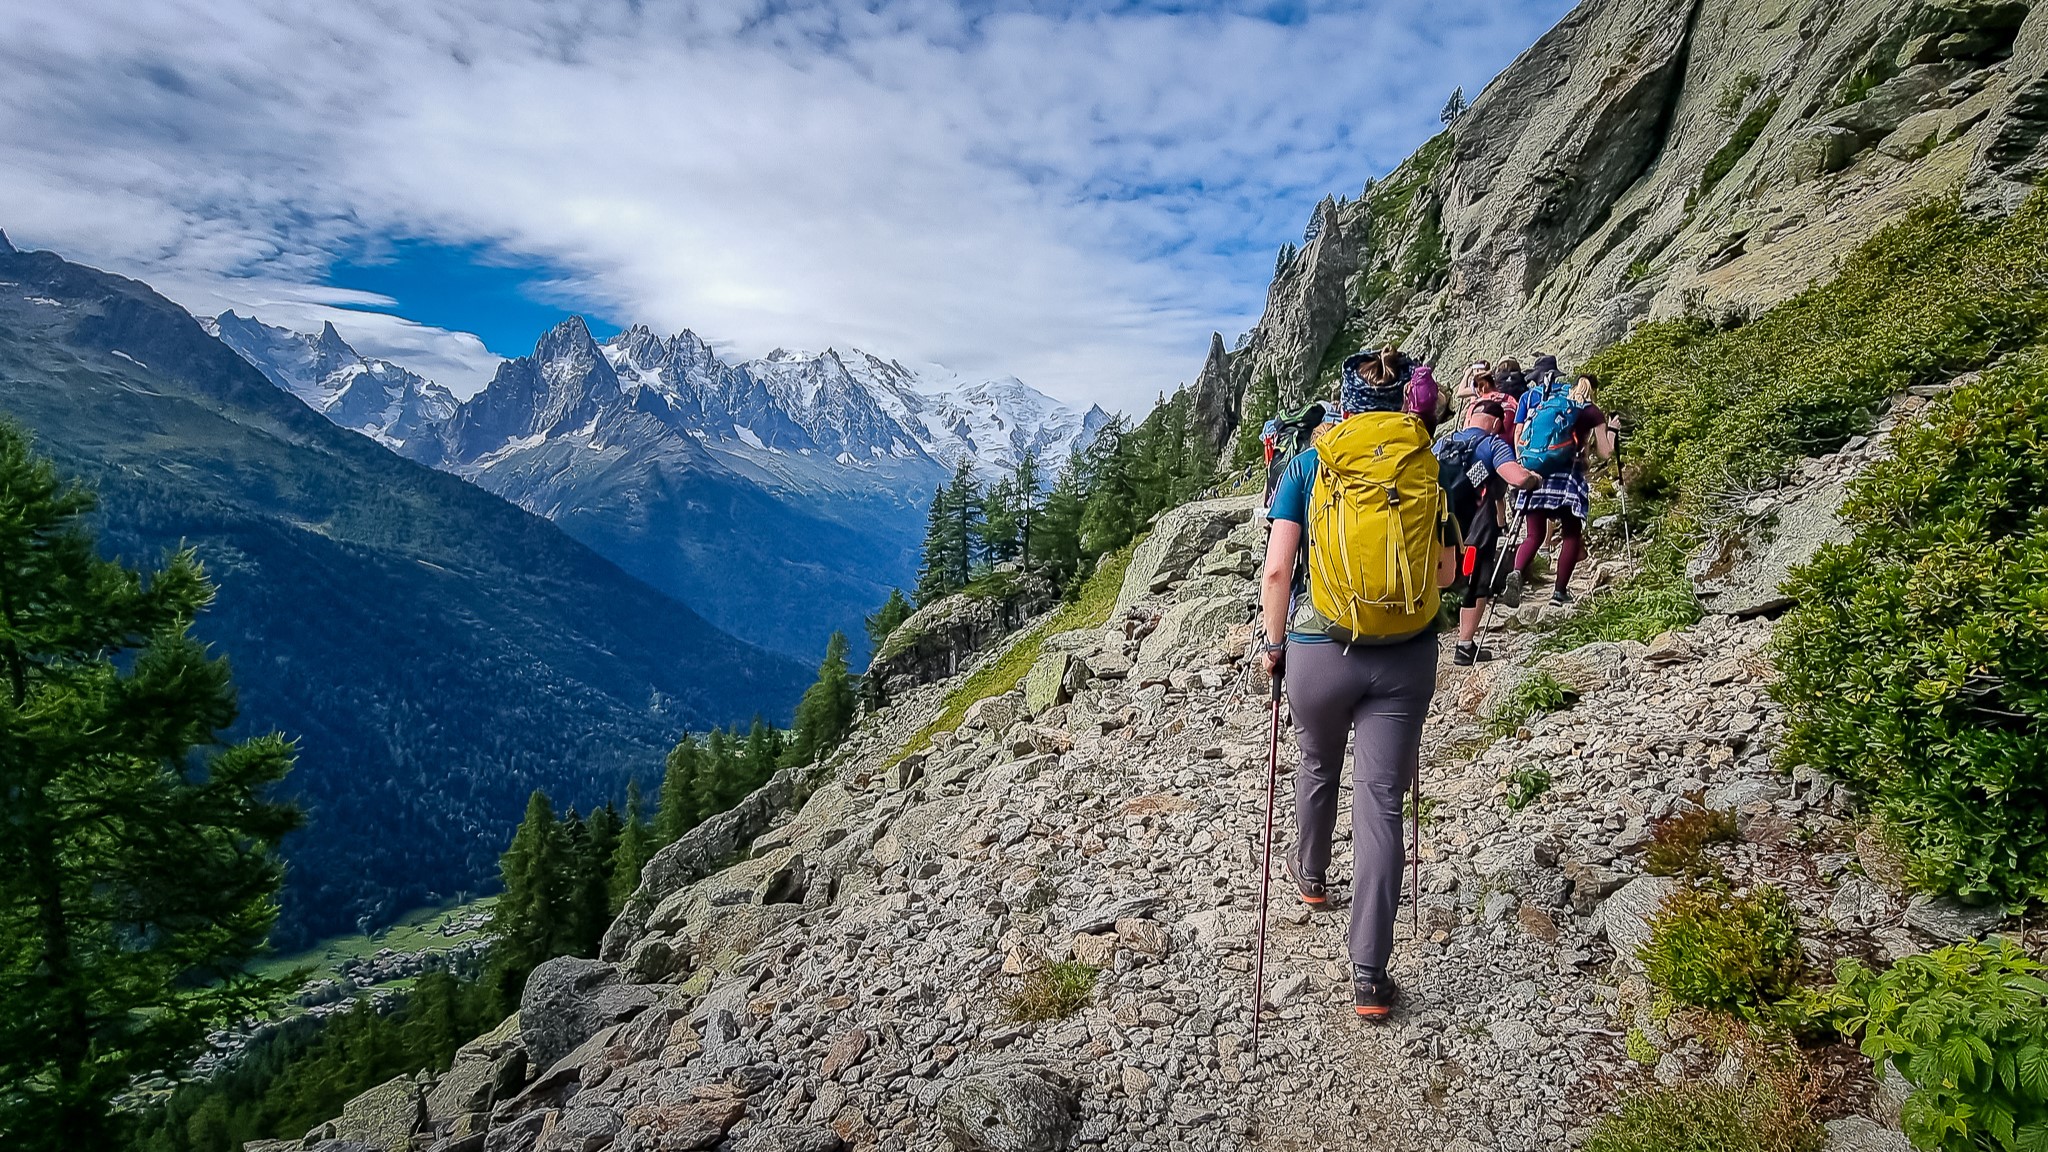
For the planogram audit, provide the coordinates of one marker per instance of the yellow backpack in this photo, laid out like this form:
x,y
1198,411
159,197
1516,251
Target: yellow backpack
x,y
1374,522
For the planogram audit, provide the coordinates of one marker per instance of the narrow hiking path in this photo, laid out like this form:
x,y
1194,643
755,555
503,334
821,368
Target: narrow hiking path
x,y
1122,829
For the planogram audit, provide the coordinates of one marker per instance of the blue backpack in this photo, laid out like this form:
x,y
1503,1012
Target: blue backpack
x,y
1552,445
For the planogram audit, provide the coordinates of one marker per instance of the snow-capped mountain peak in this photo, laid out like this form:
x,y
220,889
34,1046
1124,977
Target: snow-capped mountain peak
x,y
374,397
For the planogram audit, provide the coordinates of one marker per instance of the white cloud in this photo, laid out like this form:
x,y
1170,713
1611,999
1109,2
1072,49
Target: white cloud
x,y
1075,197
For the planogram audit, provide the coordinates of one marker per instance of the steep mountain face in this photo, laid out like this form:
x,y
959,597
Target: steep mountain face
x,y
435,652
383,401
781,497
1647,160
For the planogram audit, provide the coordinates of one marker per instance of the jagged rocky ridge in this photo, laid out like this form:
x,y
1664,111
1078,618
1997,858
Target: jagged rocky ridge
x,y
781,497
840,985
1646,159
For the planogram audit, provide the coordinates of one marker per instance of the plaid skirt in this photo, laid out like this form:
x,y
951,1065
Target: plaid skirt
x,y
1564,492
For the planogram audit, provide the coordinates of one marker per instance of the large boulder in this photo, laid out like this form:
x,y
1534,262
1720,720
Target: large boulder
x,y
698,853
938,640
2012,155
1177,543
384,1118
568,1000
1742,571
1017,1108
486,1070
1188,628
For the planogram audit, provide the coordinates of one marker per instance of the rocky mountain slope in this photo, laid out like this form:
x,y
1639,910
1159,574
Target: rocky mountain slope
x,y
435,652
845,983
1649,160
781,497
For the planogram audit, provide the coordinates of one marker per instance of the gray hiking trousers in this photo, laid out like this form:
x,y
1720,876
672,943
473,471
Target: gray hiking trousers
x,y
1381,693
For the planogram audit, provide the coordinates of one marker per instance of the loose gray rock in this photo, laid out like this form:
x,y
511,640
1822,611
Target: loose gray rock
x,y
1862,1134
568,1000
791,1138
1012,1109
1947,919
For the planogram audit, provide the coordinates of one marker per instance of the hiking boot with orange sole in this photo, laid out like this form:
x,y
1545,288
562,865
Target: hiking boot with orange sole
x,y
1372,992
1314,893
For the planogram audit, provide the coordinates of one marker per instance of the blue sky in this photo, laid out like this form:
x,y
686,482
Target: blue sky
x,y
1074,193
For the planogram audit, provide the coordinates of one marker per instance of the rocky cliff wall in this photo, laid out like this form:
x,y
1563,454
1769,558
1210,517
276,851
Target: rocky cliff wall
x,y
1650,159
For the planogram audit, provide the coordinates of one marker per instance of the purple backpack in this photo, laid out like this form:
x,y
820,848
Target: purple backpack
x,y
1422,395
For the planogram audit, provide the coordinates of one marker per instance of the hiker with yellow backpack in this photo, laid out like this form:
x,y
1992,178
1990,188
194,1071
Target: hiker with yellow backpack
x,y
1355,638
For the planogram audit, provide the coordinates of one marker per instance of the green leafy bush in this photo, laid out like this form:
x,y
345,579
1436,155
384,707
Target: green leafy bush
x,y
1524,786
1916,664
1540,692
1052,992
1968,1026
1708,1118
1712,409
1712,948
1679,847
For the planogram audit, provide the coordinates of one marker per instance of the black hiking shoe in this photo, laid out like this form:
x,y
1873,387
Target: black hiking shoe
x,y
1466,655
1314,893
1559,598
1511,592
1372,992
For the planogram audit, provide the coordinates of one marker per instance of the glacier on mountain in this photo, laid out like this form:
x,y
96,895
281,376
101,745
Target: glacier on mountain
x,y
377,398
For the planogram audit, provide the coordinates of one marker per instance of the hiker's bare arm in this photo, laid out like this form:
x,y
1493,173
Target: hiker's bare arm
x,y
1603,439
1446,566
1519,476
1275,583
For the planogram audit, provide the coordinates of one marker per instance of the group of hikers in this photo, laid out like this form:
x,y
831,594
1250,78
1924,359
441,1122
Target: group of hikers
x,y
1373,518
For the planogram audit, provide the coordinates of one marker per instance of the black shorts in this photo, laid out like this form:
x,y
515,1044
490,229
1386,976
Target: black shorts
x,y
1482,554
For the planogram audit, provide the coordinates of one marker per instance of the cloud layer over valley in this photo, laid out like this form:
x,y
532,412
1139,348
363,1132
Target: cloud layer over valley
x,y
1073,193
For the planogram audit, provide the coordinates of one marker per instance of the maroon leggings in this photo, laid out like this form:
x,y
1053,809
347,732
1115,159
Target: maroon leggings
x,y
1570,549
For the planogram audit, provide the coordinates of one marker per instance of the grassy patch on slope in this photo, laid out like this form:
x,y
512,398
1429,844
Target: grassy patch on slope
x,y
1090,608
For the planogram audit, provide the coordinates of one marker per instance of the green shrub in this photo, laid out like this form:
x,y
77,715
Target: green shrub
x,y
1051,992
1968,1026
1744,138
1540,692
1712,948
1916,663
1714,410
1679,847
1524,786
1708,1118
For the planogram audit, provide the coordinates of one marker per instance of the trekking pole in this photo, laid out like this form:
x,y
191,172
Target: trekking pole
x,y
1517,520
1266,869
1628,534
1415,837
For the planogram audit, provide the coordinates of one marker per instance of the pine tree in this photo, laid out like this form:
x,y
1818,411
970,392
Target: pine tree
x,y
935,579
1056,542
527,919
678,811
714,770
965,504
631,854
594,880
1113,513
1010,506
763,755
893,612
1454,108
138,868
826,710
